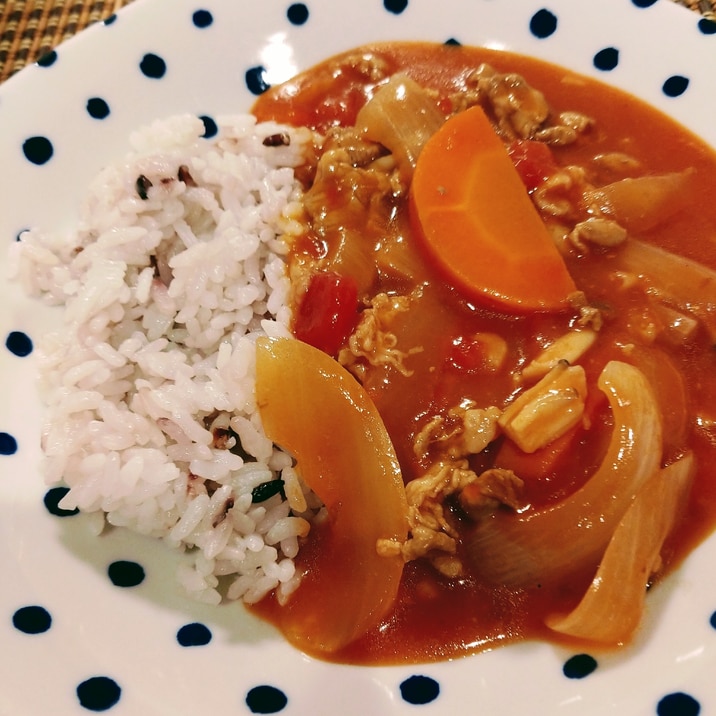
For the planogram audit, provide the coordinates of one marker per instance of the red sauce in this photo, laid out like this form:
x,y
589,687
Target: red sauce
x,y
437,618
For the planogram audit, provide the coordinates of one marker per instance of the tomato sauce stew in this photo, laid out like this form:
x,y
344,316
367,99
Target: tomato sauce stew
x,y
493,402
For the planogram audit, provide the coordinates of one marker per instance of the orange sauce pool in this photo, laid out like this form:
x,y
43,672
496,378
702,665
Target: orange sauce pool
x,y
435,618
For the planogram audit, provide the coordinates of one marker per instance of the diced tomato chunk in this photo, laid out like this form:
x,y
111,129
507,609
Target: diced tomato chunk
x,y
466,354
534,161
328,311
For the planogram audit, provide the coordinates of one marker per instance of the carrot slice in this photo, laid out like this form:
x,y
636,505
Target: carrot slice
x,y
470,207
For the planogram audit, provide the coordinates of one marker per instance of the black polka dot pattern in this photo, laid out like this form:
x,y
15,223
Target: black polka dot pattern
x,y
579,666
32,619
606,59
419,689
297,13
266,699
675,85
194,634
210,127
678,704
256,80
543,24
125,573
52,500
19,343
153,66
48,59
395,6
98,693
43,144
707,26
97,108
202,18
8,444
38,150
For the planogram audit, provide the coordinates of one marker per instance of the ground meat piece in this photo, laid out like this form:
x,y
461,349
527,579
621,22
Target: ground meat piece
x,y
491,489
367,65
565,130
598,231
560,195
464,430
615,165
520,110
589,316
372,341
431,532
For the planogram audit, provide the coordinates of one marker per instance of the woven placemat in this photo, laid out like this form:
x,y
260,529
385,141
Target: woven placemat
x,y
31,28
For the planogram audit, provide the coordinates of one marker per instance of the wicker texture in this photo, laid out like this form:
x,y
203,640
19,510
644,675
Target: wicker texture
x,y
31,28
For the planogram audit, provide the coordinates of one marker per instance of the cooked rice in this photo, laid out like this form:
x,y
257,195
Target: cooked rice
x,y
175,269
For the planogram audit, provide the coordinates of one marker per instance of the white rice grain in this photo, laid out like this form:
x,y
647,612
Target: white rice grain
x,y
176,267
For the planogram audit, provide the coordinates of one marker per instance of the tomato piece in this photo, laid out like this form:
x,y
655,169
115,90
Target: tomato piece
x,y
328,311
542,463
534,161
466,353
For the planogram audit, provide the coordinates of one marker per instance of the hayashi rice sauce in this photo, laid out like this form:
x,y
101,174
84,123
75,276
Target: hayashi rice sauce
x,y
448,350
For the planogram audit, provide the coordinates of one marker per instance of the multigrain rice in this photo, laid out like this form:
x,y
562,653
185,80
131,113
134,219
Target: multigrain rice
x,y
176,267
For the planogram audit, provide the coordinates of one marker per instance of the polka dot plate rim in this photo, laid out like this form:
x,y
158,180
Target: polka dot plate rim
x,y
97,624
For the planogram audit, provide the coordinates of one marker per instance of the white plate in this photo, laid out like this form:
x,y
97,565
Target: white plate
x,y
126,638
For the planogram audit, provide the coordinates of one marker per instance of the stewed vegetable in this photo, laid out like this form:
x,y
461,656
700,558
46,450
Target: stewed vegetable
x,y
532,321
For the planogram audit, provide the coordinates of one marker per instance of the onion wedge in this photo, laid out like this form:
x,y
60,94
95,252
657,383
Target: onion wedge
x,y
314,408
611,609
675,279
641,203
402,116
541,547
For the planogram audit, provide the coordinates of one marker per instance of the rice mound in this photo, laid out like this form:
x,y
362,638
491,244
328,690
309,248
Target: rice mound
x,y
176,267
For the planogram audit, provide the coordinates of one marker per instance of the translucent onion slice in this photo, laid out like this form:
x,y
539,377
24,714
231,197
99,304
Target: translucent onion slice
x,y
316,410
641,203
542,546
402,116
676,279
612,607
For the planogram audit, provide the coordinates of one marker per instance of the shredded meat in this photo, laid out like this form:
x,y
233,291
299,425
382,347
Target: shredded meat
x,y
520,110
560,195
351,193
347,145
598,231
432,534
615,165
449,439
563,196
463,430
366,65
372,340
343,173
491,489
589,316
567,129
